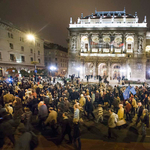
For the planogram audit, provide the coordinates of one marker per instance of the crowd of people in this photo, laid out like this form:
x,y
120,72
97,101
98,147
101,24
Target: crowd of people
x,y
64,107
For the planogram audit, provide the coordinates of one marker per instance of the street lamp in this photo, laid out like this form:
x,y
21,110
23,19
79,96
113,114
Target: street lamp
x,y
78,69
31,37
53,68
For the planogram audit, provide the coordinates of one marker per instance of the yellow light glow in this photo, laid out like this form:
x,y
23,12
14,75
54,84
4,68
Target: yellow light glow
x,y
31,37
130,39
148,48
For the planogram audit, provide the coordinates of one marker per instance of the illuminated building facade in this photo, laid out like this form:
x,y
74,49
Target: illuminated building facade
x,y
16,51
56,56
111,43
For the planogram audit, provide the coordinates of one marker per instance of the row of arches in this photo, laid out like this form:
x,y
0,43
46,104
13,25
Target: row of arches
x,y
114,71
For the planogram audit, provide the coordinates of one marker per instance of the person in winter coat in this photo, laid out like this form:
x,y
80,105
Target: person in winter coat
x,y
121,112
145,121
134,105
7,128
111,124
128,111
26,118
89,108
51,117
82,100
66,128
99,113
116,104
42,113
139,112
24,140
18,109
76,135
8,98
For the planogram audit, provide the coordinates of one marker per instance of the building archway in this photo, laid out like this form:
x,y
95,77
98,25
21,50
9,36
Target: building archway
x,y
116,69
89,68
102,69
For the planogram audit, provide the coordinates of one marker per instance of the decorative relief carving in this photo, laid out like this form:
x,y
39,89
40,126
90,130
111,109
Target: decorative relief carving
x,y
73,43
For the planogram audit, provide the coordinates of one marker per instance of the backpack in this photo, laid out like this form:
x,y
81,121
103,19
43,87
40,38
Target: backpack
x,y
34,141
116,118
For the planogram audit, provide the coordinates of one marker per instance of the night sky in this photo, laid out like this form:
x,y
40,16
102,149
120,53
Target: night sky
x,y
50,18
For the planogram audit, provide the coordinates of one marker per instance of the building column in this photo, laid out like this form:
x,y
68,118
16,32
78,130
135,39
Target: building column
x,y
95,69
108,70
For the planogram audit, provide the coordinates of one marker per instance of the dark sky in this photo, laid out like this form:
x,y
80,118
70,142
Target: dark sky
x,y
54,15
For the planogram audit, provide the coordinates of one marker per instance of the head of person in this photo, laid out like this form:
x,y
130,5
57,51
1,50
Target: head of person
x,y
26,109
65,114
139,104
50,109
111,110
99,105
120,105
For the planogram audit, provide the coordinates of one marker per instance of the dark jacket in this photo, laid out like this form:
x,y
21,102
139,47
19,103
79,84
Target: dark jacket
x,y
89,106
145,120
66,127
76,131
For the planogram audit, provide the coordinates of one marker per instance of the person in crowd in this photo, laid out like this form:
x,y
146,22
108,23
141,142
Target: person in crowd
x,y
99,113
134,105
9,108
18,109
66,128
139,112
26,118
145,121
42,113
52,117
24,140
76,112
76,135
121,112
89,108
128,111
111,124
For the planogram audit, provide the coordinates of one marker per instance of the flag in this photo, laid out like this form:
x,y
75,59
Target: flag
x,y
126,93
132,90
122,44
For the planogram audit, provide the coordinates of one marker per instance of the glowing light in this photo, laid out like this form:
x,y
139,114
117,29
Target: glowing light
x,y
122,70
78,68
31,37
53,68
147,48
